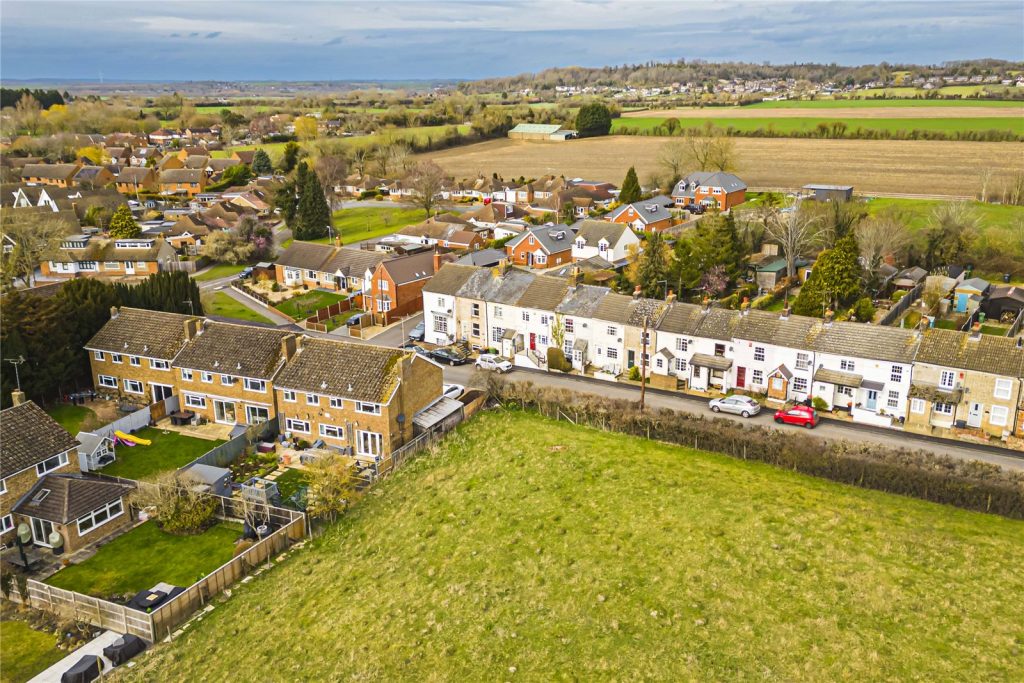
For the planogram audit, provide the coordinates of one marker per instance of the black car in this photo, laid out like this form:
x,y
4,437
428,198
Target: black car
x,y
354,320
446,355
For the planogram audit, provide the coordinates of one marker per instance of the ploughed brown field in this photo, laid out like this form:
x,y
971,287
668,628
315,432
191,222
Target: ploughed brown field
x,y
884,166
836,113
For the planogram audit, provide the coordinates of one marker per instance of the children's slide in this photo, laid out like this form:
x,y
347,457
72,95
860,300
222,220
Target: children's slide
x,y
132,439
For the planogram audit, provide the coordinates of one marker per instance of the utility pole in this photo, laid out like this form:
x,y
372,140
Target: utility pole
x,y
16,362
643,366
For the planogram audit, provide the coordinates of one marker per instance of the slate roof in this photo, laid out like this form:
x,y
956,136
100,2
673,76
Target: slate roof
x,y
28,436
619,308
544,293
305,255
647,211
450,278
718,323
405,269
137,332
796,332
591,231
726,181
583,300
483,257
360,372
233,349
547,236
681,319
498,289
987,353
70,496
353,262
861,340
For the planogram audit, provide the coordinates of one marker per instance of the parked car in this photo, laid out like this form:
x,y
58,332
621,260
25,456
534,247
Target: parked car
x,y
452,390
446,355
738,405
418,349
417,333
354,320
804,416
492,361
246,272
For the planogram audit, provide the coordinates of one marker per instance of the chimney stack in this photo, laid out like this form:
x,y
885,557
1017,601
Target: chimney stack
x,y
437,260
636,292
975,332
706,304
17,397
670,297
289,345
745,306
114,312
192,328
829,314
785,314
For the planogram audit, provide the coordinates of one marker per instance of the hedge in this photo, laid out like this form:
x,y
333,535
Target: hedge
x,y
941,479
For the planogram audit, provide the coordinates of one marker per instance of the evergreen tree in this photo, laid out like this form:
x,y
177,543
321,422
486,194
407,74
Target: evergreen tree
x,y
290,156
123,225
652,267
684,272
835,280
261,163
715,242
630,191
286,202
314,216
593,119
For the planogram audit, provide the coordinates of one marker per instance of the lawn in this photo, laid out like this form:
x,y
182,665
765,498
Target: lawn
x,y
73,418
419,133
303,305
147,555
334,322
370,222
525,549
169,451
788,125
874,104
218,271
290,482
25,652
221,304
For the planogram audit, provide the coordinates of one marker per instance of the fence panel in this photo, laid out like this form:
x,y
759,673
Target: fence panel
x,y
902,305
1015,327
101,613
227,452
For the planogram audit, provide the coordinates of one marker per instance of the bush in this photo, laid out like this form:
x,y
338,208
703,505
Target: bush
x,y
368,194
634,374
819,404
898,294
864,310
557,360
177,507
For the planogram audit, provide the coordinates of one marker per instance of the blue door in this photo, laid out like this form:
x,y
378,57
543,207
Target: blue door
x,y
872,401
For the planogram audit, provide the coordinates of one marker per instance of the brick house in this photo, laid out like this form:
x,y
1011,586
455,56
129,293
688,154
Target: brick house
x,y
225,372
186,181
969,381
327,267
545,246
135,179
396,288
132,353
41,485
650,215
358,398
92,177
86,256
58,175
720,190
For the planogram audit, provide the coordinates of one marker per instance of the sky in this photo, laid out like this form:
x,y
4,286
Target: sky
x,y
434,39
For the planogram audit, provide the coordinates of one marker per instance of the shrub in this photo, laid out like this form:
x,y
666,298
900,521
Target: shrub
x,y
177,507
367,194
634,374
819,404
864,310
898,294
557,360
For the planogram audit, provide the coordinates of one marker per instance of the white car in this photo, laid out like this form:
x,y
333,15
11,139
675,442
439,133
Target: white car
x,y
452,390
490,361
737,405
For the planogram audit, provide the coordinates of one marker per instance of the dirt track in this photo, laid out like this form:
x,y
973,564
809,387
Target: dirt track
x,y
919,167
837,113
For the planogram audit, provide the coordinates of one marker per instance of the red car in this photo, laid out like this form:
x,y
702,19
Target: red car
x,y
798,415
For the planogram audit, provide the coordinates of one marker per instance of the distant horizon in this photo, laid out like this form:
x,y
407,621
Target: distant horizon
x,y
451,40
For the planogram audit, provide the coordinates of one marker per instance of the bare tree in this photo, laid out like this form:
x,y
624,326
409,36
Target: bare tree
x,y
384,155
402,157
332,487
674,158
709,149
330,170
796,232
878,237
29,114
428,179
32,237
361,158
986,178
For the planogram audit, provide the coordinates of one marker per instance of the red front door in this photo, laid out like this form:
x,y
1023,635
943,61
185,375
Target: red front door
x,y
533,341
741,377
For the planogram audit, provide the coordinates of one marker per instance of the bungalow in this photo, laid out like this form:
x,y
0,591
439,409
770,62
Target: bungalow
x,y
196,162
322,265
490,215
541,247
444,231
85,256
184,181
710,189
611,241
649,215
58,175
164,136
134,179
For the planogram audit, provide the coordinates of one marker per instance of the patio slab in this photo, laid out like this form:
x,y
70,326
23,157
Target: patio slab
x,y
93,647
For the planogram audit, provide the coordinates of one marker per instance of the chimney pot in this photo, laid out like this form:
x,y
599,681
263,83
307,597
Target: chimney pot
x,y
636,292
114,312
17,397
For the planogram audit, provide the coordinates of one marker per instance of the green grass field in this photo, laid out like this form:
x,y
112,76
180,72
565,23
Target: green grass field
x,y
168,451
25,652
147,555
220,303
947,91
874,104
525,549
804,125
218,271
74,418
303,305
371,222
419,133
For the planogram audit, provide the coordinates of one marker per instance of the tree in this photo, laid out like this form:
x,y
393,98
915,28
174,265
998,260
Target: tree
x,y
650,270
795,232
260,236
123,225
709,149
384,156
238,174
948,239
36,328
330,169
630,191
715,242
305,128
290,156
92,153
261,165
834,281
226,247
593,119
313,216
361,158
178,504
671,125
286,202
684,271
427,179
331,487
714,281
33,237
673,158
879,237
28,114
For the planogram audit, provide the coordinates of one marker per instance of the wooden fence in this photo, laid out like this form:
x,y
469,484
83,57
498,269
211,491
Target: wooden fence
x,y
1017,323
102,613
315,321
228,452
896,312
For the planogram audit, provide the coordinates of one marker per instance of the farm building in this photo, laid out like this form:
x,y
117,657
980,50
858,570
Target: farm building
x,y
540,131
830,193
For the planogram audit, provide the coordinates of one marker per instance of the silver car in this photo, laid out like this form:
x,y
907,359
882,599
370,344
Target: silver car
x,y
738,405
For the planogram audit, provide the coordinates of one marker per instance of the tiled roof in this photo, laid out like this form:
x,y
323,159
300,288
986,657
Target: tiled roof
x,y
583,300
986,353
718,323
28,436
681,319
405,269
181,175
359,372
352,262
592,232
137,332
796,332
553,238
70,496
647,211
544,293
493,287
49,171
305,255
232,349
619,308
726,181
450,278
838,377
861,340
134,174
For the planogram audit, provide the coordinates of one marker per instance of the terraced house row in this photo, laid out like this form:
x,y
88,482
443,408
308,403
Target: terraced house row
x,y
930,381
358,398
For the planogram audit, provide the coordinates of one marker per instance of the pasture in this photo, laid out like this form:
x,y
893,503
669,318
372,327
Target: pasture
x,y
421,134
804,125
525,549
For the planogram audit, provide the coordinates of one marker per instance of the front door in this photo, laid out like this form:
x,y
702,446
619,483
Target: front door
x,y
872,401
41,530
741,377
161,391
224,411
974,415
129,267
630,358
533,341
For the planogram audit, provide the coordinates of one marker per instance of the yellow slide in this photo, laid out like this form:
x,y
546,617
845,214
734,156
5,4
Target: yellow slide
x,y
134,439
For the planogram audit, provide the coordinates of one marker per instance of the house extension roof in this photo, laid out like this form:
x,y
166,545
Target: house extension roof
x,y
592,232
29,436
985,353
405,269
232,349
138,332
69,497
359,372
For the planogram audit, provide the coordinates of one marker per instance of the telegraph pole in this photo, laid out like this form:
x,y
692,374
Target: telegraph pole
x,y
643,367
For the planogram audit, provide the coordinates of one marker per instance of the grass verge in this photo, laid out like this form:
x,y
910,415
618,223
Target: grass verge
x,y
25,652
168,451
802,125
218,271
223,305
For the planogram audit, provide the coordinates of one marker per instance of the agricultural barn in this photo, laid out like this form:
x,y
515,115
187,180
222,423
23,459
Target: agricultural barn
x,y
540,131
830,193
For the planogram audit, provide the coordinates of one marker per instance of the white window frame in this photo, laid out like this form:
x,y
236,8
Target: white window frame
x,y
257,385
612,353
130,383
759,353
896,374
336,402
803,361
326,429
917,406
292,424
52,463
682,345
206,377
369,443
947,379
195,401
116,358
368,408
496,334
800,385
156,364
6,523
289,395
107,509
612,331
107,381
186,375
312,399
99,355
440,324
1004,416
135,361
757,378
1003,388
226,380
